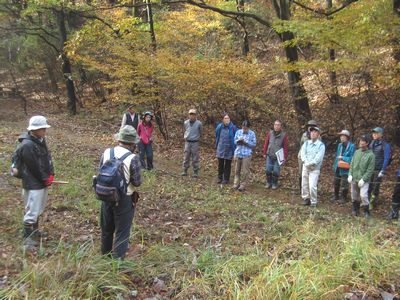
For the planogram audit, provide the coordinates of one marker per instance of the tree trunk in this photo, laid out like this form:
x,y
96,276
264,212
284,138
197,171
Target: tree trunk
x,y
52,75
66,64
396,55
333,94
151,23
242,22
296,87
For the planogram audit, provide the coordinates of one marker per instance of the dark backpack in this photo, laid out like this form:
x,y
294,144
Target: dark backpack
x,y
16,163
110,184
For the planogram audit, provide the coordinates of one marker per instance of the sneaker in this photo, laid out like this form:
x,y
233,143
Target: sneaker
x,y
219,181
184,173
267,185
241,189
274,186
306,202
235,187
196,174
224,182
313,205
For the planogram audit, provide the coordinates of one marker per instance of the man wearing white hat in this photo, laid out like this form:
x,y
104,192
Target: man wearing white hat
x,y
35,167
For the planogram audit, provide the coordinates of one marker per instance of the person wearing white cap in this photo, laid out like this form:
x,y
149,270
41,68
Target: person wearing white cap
x,y
312,153
192,133
341,166
35,168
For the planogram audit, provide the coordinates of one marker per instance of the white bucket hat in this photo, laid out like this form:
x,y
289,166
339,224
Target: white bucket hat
x,y
37,122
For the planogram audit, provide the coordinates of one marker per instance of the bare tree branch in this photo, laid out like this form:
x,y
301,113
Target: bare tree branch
x,y
322,12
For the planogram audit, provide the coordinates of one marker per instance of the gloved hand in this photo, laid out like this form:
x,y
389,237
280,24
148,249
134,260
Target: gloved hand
x,y
49,180
349,179
311,167
381,174
361,183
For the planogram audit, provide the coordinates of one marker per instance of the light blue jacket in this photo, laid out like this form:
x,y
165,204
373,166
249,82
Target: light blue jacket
x,y
347,156
312,153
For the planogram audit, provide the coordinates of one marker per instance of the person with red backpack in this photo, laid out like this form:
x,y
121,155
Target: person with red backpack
x,y
383,154
118,206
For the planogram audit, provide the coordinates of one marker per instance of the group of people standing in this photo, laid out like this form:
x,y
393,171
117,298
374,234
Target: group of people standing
x,y
361,169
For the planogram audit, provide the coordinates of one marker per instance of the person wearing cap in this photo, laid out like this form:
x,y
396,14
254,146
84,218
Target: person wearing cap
x,y
145,132
382,152
360,174
192,133
130,117
304,137
312,154
394,212
245,141
275,140
37,173
341,166
116,220
225,145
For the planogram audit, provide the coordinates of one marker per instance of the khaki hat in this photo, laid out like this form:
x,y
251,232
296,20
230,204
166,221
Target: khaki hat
x,y
345,132
192,111
127,135
312,123
37,122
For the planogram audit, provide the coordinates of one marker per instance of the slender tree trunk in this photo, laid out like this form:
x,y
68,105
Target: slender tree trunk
x,y
333,93
52,75
151,23
242,22
396,55
66,64
296,87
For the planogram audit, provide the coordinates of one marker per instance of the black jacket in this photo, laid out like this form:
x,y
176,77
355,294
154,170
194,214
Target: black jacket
x,y
36,163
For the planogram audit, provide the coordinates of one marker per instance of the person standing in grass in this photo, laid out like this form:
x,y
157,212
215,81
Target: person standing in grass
x,y
116,220
360,174
275,140
312,155
145,132
245,141
304,137
35,168
382,152
394,212
225,145
341,166
130,117
192,133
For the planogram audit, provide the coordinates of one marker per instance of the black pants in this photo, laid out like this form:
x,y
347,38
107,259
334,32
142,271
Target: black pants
x,y
374,185
396,193
224,169
116,220
341,182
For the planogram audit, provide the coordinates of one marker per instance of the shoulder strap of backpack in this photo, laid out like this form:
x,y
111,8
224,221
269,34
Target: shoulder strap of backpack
x,y
122,158
111,153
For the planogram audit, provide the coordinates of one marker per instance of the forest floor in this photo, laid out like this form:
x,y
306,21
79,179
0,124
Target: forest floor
x,y
191,238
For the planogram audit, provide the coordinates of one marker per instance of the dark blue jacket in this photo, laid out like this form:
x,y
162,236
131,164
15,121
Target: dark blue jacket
x,y
382,154
232,131
347,156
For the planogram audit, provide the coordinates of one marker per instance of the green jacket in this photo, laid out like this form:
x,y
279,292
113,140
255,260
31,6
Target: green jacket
x,y
362,165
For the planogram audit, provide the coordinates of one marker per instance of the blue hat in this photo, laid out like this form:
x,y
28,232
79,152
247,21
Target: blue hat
x,y
378,130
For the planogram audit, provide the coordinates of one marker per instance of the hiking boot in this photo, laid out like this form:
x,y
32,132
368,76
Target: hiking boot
x,y
274,182
196,173
366,211
356,209
28,234
372,202
241,188
306,202
313,205
219,180
394,212
184,172
267,185
37,233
